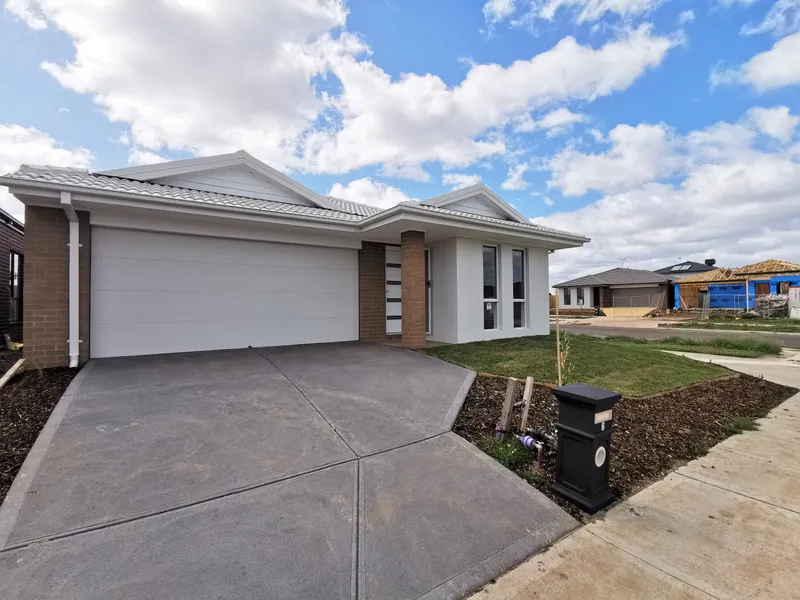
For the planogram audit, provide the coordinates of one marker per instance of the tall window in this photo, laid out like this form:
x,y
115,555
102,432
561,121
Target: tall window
x,y
14,287
580,296
567,297
518,265
490,287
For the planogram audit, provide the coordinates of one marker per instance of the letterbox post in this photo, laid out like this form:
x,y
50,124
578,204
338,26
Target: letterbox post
x,y
584,438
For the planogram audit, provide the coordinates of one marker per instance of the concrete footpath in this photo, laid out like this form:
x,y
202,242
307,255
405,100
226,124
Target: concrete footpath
x,y
724,526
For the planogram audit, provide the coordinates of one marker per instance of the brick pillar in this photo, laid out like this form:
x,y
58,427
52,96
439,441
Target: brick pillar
x,y
46,287
372,292
413,288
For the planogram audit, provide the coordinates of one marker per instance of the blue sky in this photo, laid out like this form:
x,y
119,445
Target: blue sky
x,y
625,120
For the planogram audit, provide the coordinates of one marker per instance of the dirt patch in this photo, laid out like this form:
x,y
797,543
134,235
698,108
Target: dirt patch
x,y
25,405
651,437
8,358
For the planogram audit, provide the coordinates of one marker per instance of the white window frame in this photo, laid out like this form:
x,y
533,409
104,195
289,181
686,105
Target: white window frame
x,y
496,300
524,299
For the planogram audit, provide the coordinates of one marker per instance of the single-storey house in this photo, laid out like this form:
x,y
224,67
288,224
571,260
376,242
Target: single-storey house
x,y
736,288
12,244
627,291
226,252
686,268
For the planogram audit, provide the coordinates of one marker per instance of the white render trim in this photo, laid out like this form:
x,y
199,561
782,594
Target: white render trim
x,y
194,165
74,280
468,192
628,286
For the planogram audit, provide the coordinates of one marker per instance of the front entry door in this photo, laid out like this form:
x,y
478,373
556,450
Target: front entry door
x,y
428,291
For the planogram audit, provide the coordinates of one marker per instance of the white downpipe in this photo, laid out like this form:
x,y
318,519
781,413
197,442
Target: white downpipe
x,y
74,283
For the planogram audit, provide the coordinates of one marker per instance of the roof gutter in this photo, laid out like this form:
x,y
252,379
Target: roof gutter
x,y
404,208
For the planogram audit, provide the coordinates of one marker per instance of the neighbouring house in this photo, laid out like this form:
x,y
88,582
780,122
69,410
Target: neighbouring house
x,y
736,289
686,269
620,291
12,245
226,252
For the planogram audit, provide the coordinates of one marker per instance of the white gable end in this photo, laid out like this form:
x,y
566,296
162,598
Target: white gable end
x,y
478,206
238,181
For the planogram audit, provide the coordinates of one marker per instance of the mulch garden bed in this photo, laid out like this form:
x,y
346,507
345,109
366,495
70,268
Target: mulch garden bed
x,y
25,405
651,437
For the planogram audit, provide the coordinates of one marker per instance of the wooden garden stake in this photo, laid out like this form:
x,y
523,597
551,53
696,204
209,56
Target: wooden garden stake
x,y
558,347
505,416
526,397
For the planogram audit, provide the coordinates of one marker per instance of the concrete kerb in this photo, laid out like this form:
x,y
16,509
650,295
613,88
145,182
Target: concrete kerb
x,y
10,508
452,414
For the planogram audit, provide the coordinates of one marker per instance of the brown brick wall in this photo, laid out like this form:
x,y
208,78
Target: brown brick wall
x,y
10,239
46,287
372,292
413,288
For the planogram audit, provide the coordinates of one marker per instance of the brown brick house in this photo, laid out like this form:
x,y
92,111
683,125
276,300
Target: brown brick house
x,y
12,251
226,252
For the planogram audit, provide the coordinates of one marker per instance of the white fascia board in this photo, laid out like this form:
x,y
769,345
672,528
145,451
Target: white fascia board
x,y
221,161
420,215
630,286
468,192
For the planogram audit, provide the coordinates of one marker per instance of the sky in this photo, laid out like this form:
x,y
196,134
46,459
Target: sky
x,y
665,130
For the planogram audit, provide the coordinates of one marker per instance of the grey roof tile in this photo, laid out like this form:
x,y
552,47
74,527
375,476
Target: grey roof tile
x,y
458,213
618,276
83,179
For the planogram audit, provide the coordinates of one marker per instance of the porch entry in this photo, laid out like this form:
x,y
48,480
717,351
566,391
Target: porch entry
x,y
394,282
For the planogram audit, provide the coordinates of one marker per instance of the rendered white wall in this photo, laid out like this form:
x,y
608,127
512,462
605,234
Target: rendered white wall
x,y
469,269
157,293
444,317
477,206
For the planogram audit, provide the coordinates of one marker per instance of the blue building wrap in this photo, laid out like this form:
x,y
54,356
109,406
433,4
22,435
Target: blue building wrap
x,y
727,295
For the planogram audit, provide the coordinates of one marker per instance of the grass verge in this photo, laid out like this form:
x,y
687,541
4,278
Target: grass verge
x,y
632,368
725,346
763,325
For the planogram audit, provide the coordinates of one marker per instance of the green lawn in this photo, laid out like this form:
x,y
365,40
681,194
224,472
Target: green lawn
x,y
730,324
633,369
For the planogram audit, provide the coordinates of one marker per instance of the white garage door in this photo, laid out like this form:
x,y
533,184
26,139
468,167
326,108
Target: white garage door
x,y
155,293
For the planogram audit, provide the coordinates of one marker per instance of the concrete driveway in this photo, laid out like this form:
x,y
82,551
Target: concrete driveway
x,y
323,471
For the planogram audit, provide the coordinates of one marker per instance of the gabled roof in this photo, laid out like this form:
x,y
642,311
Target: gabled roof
x,y
618,276
11,221
687,266
79,178
474,190
720,274
767,266
220,161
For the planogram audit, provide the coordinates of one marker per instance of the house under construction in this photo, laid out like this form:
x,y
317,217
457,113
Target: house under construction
x,y
736,289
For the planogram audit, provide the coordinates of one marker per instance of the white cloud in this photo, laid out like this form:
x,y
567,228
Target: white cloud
x,y
548,201
555,122
26,145
287,82
460,180
367,191
514,181
775,68
593,10
62,109
137,156
495,11
637,155
782,18
716,194
776,122
26,11
687,16
406,171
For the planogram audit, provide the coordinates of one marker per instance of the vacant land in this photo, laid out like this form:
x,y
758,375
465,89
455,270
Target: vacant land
x,y
651,436
733,324
634,368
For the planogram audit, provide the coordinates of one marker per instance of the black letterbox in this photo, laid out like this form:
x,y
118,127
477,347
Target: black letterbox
x,y
585,416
